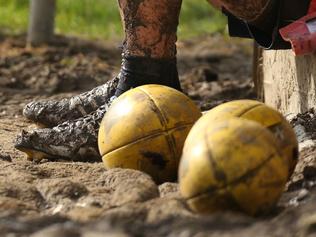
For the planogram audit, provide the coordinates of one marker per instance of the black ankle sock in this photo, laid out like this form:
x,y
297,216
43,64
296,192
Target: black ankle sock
x,y
138,71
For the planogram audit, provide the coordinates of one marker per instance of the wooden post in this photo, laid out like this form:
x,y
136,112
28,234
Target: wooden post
x,y
289,81
41,22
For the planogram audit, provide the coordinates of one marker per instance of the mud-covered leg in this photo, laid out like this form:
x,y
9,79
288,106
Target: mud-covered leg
x,y
149,57
149,54
150,27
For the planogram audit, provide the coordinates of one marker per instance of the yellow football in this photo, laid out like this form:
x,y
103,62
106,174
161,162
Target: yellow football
x,y
145,129
235,165
266,116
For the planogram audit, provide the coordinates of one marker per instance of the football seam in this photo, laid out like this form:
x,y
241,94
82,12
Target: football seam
x,y
248,110
235,182
171,143
158,133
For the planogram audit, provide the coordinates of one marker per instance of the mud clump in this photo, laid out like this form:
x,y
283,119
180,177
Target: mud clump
x,y
307,120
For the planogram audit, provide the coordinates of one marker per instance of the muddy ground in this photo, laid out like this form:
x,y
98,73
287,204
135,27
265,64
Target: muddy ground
x,y
68,199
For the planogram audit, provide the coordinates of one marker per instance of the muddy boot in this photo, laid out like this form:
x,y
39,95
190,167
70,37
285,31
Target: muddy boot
x,y
135,71
72,140
51,113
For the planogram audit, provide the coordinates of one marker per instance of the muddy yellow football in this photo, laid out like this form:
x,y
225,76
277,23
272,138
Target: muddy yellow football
x,y
145,129
233,165
266,116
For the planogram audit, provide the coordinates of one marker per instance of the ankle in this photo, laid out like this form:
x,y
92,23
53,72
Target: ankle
x,y
137,71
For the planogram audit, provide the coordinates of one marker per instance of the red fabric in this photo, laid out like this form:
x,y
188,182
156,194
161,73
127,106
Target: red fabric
x,y
312,7
298,34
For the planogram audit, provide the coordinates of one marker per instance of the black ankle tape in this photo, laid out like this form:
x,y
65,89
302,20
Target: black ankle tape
x,y
137,71
147,66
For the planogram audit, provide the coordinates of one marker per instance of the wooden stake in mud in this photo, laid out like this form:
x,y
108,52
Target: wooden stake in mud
x,y
288,81
41,25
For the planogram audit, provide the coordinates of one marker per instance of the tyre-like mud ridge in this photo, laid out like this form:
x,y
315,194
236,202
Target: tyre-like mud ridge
x,y
67,199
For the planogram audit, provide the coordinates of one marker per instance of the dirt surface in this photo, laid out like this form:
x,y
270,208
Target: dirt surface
x,y
83,199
